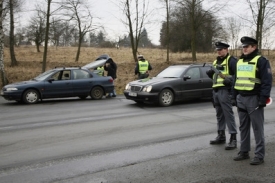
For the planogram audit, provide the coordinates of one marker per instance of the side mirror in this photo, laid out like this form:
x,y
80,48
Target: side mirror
x,y
185,77
50,80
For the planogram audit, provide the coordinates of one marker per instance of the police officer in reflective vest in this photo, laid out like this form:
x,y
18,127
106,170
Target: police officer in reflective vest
x,y
222,85
142,68
252,86
100,70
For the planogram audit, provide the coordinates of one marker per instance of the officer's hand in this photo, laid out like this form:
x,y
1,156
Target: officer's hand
x,y
233,102
210,73
262,102
227,81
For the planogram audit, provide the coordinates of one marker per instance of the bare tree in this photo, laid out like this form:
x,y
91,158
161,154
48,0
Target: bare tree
x,y
167,30
36,29
78,12
2,69
233,29
12,3
135,20
263,14
197,17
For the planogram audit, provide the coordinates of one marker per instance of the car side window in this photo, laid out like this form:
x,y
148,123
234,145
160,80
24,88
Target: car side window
x,y
66,75
194,73
204,70
80,74
56,76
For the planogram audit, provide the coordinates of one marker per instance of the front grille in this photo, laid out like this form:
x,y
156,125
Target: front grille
x,y
136,88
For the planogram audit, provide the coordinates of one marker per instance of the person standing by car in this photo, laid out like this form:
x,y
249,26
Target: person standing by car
x,y
252,86
111,67
142,68
100,70
222,85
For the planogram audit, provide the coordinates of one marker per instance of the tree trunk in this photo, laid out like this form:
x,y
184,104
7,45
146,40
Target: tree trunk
x,y
2,69
12,54
193,32
167,30
78,48
37,47
46,38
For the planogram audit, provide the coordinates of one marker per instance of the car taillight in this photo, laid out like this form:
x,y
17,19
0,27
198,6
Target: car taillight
x,y
111,80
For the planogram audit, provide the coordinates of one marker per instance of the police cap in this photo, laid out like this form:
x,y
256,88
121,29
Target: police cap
x,y
140,57
248,41
221,45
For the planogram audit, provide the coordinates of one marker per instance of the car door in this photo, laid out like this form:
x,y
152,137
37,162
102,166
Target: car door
x,y
192,87
82,82
207,82
60,85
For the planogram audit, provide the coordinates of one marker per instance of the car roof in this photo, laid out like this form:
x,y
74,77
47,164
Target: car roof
x,y
185,65
70,67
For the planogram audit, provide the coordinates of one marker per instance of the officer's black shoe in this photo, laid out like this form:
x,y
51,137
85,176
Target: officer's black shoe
x,y
242,156
232,143
113,95
220,139
256,161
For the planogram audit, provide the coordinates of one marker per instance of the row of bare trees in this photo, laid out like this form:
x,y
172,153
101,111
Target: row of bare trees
x,y
69,13
188,23
192,25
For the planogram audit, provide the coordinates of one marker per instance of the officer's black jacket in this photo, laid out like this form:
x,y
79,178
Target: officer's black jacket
x,y
263,72
112,68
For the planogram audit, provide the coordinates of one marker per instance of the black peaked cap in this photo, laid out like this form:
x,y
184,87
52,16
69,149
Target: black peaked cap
x,y
221,45
248,41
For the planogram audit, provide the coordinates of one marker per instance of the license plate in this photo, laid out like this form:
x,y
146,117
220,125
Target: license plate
x,y
132,94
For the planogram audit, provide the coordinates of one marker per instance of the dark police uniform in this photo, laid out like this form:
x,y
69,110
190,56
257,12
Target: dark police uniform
x,y
252,86
142,68
222,98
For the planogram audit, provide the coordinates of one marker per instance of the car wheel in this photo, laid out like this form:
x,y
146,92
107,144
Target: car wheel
x,y
83,97
166,98
97,93
30,96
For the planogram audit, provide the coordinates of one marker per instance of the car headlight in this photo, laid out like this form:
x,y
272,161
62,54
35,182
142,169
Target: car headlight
x,y
12,89
127,87
147,89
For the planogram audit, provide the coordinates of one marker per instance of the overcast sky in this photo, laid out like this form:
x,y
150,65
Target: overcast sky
x,y
108,13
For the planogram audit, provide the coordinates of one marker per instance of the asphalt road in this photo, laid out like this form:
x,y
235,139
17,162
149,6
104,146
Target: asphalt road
x,y
115,140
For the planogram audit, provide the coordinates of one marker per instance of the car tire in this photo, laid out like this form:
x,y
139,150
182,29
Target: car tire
x,y
83,97
31,96
97,93
166,98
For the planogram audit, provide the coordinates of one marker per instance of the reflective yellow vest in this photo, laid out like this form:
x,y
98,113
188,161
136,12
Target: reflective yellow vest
x,y
143,66
100,70
217,80
246,74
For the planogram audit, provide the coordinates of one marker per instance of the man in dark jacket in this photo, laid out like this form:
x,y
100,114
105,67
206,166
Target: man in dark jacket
x,y
224,64
111,67
252,86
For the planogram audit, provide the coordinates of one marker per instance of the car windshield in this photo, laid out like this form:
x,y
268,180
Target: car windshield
x,y
44,75
171,72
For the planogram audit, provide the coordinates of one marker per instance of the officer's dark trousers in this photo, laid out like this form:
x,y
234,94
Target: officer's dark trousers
x,y
246,105
224,111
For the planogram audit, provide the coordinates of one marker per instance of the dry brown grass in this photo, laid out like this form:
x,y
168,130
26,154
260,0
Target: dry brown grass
x,y
30,62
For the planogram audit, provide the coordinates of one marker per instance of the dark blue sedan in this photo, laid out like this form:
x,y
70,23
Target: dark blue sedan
x,y
59,83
